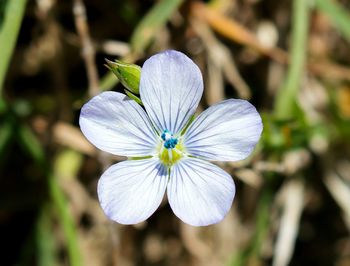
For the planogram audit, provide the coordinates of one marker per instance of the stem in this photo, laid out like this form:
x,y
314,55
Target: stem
x,y
66,220
34,148
88,50
261,227
285,101
45,239
9,30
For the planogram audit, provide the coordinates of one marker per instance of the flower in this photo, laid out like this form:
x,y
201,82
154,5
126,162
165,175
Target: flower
x,y
168,153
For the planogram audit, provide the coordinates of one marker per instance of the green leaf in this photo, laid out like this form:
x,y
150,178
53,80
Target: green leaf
x,y
10,25
338,15
3,106
151,23
32,145
6,133
128,74
134,97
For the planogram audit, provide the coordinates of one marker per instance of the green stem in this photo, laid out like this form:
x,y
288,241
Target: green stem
x,y
66,220
286,97
14,12
45,239
261,227
33,146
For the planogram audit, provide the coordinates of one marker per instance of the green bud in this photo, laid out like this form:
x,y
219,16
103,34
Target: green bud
x,y
128,74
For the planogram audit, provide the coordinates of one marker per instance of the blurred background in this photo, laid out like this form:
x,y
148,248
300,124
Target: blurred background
x,y
291,59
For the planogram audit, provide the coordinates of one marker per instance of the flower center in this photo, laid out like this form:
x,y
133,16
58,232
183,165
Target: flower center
x,y
170,149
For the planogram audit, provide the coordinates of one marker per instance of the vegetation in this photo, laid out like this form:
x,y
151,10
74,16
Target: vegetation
x,y
291,59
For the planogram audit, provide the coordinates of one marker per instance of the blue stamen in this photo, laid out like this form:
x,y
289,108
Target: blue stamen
x,y
169,141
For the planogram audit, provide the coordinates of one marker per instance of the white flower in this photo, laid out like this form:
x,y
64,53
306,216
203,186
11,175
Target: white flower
x,y
171,157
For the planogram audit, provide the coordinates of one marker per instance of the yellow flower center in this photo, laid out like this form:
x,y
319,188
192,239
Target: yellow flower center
x,y
170,156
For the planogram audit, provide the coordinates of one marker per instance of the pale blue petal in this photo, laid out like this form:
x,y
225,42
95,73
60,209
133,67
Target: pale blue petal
x,y
227,131
171,87
199,192
114,123
130,191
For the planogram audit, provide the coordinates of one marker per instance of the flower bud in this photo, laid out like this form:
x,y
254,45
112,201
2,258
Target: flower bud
x,y
128,74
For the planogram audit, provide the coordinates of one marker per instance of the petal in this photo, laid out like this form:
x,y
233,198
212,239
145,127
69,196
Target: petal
x,y
227,131
199,192
130,191
114,123
171,87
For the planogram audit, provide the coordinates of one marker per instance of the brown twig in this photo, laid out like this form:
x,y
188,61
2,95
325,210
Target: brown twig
x,y
340,191
236,32
88,50
70,136
290,220
221,59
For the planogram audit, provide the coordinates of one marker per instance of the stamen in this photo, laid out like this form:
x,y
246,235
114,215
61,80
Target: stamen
x,y
169,141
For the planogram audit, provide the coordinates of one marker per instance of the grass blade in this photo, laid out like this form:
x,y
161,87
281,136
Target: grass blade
x,y
151,23
9,29
337,14
32,145
285,101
